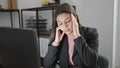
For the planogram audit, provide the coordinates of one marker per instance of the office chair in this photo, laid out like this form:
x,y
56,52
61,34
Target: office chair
x,y
102,62
1,66
19,48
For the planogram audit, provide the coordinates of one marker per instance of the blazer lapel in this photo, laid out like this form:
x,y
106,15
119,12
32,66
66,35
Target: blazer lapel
x,y
64,51
81,30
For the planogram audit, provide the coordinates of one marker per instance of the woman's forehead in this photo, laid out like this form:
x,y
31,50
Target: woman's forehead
x,y
63,16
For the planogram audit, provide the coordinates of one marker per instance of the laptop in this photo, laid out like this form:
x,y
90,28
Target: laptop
x,y
19,48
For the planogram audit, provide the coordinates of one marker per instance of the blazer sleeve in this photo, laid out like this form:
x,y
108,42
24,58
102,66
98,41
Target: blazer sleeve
x,y
51,57
88,50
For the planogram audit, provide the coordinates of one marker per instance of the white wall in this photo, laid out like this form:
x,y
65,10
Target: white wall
x,y
118,37
28,3
43,46
4,3
5,19
118,33
31,4
98,14
22,4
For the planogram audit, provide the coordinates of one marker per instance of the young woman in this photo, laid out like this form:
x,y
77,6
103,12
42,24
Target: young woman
x,y
73,45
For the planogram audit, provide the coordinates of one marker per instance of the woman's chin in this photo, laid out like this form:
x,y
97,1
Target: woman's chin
x,y
68,33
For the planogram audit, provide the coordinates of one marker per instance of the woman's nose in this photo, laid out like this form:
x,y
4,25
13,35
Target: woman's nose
x,y
65,25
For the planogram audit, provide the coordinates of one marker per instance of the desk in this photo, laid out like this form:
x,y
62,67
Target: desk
x,y
11,16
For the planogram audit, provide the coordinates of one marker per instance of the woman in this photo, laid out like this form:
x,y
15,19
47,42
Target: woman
x,y
73,45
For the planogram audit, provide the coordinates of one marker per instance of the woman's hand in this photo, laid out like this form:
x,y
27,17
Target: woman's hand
x,y
75,26
58,37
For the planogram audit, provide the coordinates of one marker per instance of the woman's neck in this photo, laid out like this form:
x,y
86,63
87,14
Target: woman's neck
x,y
70,48
70,36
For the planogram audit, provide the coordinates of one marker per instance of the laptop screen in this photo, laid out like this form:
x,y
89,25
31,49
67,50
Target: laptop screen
x,y
19,48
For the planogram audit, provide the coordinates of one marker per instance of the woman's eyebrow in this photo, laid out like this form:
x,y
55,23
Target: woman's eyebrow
x,y
67,18
59,21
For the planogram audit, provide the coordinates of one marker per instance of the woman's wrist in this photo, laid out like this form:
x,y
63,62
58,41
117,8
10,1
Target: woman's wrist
x,y
77,36
55,43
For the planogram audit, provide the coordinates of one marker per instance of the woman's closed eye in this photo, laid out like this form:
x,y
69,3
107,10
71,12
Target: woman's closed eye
x,y
60,23
68,20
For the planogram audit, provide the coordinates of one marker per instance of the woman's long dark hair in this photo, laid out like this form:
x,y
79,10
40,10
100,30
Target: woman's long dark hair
x,y
63,8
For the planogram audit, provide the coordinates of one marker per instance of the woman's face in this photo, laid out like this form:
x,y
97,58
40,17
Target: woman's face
x,y
64,23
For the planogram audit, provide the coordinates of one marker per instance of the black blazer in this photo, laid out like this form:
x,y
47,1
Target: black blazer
x,y
85,52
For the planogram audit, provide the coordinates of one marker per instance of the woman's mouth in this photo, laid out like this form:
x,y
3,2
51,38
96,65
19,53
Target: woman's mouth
x,y
67,30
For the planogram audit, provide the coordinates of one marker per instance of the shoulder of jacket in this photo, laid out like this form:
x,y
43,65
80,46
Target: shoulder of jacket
x,y
88,30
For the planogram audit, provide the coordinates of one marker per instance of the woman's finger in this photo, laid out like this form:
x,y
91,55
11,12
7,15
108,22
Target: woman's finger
x,y
62,36
75,26
74,19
